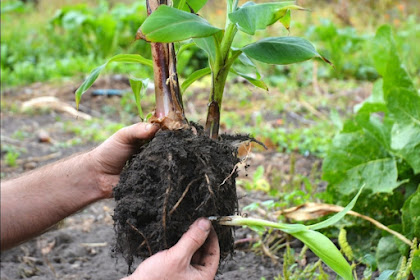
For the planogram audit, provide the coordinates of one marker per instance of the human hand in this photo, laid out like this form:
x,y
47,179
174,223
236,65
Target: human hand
x,y
109,158
195,256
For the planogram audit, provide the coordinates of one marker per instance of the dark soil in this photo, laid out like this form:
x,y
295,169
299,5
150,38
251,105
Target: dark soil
x,y
178,177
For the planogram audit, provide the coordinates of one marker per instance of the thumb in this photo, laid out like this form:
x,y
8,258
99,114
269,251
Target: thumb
x,y
194,238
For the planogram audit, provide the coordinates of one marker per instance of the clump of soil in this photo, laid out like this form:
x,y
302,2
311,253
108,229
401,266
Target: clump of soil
x,y
176,178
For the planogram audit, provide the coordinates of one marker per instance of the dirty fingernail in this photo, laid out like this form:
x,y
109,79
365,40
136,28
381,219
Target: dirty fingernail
x,y
204,224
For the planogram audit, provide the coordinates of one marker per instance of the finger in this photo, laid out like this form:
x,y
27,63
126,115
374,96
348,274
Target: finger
x,y
193,239
139,131
207,259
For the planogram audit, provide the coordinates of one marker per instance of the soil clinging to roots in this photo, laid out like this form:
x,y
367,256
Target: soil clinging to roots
x,y
176,178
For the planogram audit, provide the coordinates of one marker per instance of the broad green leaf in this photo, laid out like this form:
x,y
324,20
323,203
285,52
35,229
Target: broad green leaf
x,y
381,48
387,61
404,105
125,58
285,20
168,24
375,102
252,17
396,75
254,81
380,176
281,50
405,141
321,246
337,217
194,77
411,216
379,129
349,150
387,254
188,5
138,86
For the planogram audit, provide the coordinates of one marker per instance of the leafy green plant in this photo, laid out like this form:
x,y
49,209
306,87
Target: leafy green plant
x,y
380,147
169,24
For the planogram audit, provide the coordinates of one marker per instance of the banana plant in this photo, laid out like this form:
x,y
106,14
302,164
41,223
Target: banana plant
x,y
178,21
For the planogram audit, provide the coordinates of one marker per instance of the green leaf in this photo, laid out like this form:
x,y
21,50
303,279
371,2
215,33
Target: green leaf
x,y
387,62
379,129
184,47
281,50
337,217
375,102
187,5
208,45
255,228
138,86
380,176
349,150
285,20
252,17
386,274
125,58
167,24
404,105
381,47
194,77
321,246
255,82
411,216
387,254
405,142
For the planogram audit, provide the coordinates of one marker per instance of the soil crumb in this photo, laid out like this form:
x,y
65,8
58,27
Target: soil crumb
x,y
176,178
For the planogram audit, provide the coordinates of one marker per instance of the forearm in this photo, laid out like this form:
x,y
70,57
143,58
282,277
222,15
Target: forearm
x,y
32,203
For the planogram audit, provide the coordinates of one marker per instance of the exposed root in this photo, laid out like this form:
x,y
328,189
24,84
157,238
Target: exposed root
x,y
182,197
142,235
165,206
208,184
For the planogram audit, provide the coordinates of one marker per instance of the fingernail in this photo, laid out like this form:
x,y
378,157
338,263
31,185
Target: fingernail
x,y
204,224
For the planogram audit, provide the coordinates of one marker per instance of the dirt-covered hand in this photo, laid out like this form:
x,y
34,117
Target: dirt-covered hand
x,y
195,256
110,157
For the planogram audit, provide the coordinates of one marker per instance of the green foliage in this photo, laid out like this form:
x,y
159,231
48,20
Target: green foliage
x,y
345,48
167,24
380,148
189,5
281,50
252,17
138,86
124,58
35,47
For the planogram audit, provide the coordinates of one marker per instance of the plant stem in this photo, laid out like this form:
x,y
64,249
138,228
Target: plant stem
x,y
169,108
220,70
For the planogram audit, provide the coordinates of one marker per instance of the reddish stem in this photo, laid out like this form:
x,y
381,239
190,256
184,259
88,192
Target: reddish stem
x,y
169,109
